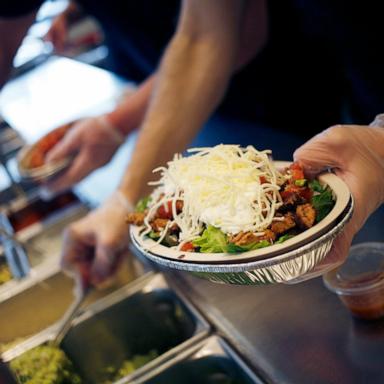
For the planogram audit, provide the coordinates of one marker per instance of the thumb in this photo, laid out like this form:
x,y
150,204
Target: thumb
x,y
65,147
103,264
318,154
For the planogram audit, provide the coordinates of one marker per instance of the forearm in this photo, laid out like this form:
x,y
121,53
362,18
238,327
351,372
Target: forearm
x,y
192,80
129,114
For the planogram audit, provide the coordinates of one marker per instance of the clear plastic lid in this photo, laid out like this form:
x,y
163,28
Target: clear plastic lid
x,y
362,271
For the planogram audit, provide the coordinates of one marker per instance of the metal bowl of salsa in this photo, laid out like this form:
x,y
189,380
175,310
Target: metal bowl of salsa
x,y
31,160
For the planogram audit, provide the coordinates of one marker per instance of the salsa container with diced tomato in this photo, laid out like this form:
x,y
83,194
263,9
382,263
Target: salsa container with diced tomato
x,y
288,262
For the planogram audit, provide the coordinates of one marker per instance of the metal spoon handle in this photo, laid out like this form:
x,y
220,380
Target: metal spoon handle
x,y
70,314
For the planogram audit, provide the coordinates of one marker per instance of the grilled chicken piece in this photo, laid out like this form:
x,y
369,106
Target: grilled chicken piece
x,y
135,218
158,225
280,227
290,201
305,215
245,238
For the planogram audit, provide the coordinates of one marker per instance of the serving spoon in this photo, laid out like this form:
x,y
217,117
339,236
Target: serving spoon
x,y
82,289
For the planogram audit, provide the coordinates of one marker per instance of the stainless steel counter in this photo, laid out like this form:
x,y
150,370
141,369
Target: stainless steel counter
x,y
294,334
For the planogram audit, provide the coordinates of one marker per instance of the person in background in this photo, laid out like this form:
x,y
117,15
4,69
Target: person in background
x,y
135,39
212,40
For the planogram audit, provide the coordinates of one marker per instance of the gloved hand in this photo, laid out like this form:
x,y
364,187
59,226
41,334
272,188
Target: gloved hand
x,y
92,245
92,142
59,30
356,154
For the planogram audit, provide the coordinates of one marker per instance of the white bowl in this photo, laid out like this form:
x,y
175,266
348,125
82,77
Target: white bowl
x,y
279,263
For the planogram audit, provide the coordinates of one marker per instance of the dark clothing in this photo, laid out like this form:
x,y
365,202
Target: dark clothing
x,y
320,66
136,31
11,8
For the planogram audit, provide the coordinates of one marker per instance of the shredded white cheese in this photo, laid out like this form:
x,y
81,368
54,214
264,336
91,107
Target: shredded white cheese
x,y
232,188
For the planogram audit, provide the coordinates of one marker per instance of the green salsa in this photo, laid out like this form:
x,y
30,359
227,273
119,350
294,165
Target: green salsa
x,y
44,365
130,366
5,274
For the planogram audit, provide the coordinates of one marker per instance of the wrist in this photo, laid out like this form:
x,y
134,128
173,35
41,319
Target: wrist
x,y
119,203
129,114
124,201
116,119
108,126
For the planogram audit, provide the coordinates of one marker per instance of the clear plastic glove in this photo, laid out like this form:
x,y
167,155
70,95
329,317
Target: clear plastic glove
x,y
93,244
356,154
92,142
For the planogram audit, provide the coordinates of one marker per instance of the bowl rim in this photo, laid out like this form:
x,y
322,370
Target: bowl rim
x,y
255,264
343,197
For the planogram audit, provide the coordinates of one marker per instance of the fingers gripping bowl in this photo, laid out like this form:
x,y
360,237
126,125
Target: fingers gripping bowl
x,y
232,215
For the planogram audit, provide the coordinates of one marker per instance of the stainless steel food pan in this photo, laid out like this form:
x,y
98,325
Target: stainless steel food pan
x,y
132,321
39,301
150,317
42,243
209,362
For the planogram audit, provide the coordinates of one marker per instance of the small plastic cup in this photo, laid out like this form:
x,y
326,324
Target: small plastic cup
x,y
359,282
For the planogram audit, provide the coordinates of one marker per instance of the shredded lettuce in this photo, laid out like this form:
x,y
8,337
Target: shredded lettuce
x,y
284,238
154,235
212,240
316,186
142,204
233,248
322,201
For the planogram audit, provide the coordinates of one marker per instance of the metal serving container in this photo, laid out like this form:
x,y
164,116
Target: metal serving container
x,y
46,294
134,320
31,213
10,141
32,305
42,238
211,361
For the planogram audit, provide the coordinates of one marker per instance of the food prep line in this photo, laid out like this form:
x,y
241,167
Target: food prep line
x,y
144,318
142,331
51,291
144,327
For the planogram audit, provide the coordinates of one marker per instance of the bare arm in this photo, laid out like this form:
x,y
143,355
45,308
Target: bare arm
x,y
191,81
129,114
12,32
252,37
